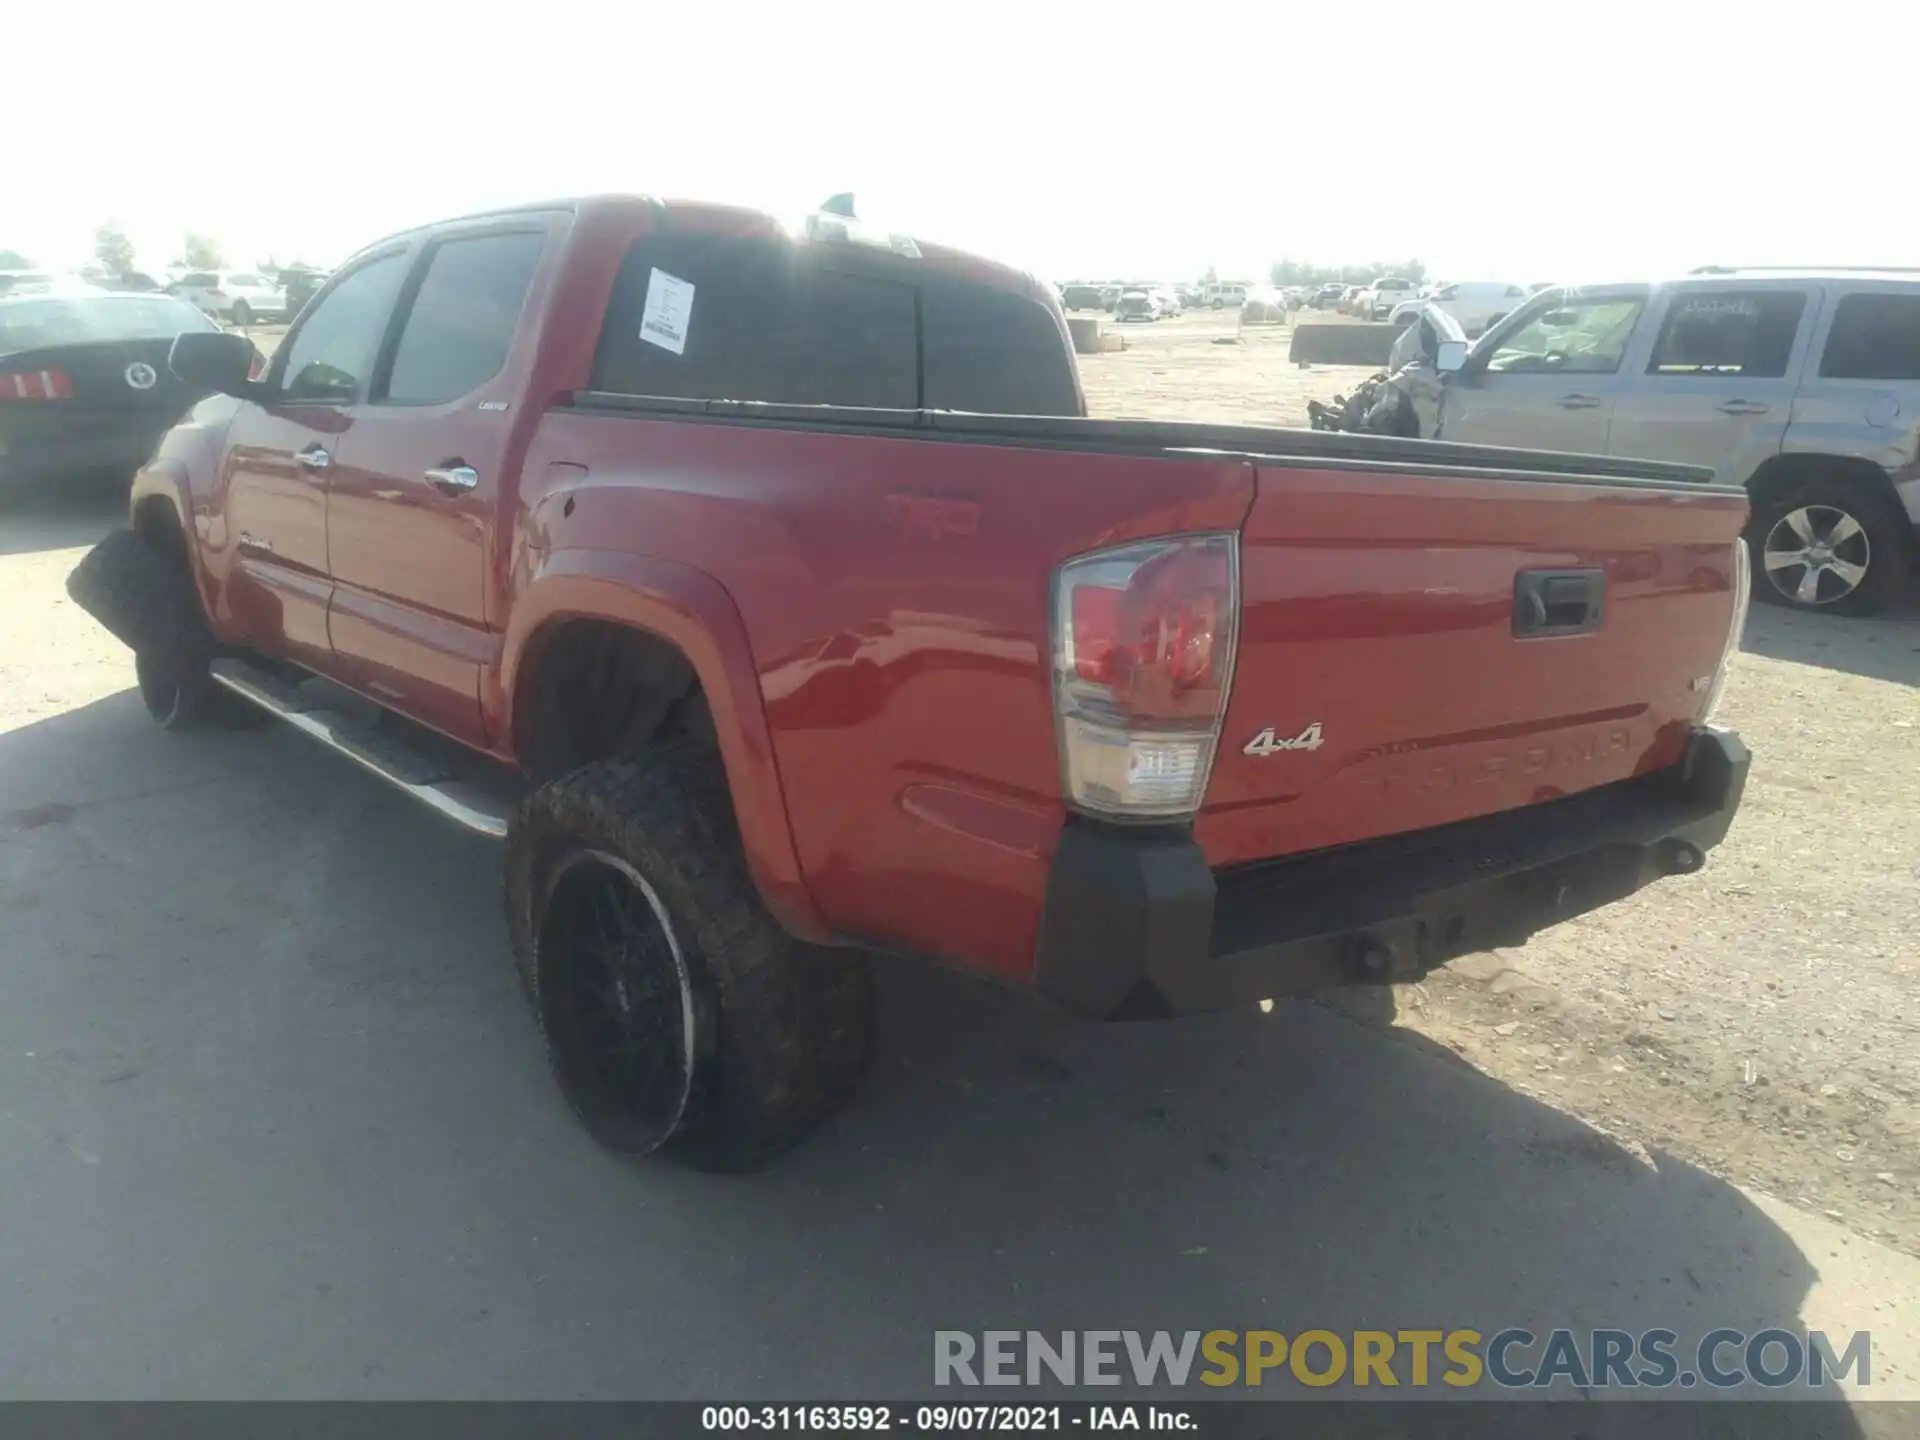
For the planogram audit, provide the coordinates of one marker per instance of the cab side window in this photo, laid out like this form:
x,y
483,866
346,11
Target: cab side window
x,y
1729,332
1579,336
329,359
463,317
1874,337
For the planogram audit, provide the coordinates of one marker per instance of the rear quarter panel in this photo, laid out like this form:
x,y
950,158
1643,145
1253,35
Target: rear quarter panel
x,y
895,594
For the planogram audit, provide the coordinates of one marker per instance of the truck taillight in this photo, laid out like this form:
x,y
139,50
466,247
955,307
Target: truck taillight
x,y
1143,651
1736,627
35,385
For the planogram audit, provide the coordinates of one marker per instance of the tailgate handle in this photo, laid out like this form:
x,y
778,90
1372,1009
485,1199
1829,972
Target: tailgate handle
x,y
1558,602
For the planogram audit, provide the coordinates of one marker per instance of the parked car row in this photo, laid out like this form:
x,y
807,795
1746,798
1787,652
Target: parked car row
x,y
241,297
1206,295
238,297
1475,305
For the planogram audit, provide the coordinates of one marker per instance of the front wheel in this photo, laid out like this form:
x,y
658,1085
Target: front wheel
x,y
242,313
1832,544
678,1016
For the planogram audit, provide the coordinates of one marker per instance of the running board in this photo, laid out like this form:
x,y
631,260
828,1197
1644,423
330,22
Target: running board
x,y
477,802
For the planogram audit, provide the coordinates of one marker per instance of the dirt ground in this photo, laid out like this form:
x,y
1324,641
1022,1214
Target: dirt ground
x,y
1757,1019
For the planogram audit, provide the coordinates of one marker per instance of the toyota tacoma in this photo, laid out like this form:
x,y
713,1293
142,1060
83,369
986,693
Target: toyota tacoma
x,y
772,597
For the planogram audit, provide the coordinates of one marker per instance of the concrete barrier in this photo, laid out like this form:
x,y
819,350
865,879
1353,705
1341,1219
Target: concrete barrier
x,y
1365,344
1085,331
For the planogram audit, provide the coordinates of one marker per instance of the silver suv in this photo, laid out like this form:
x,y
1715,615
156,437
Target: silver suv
x,y
1804,385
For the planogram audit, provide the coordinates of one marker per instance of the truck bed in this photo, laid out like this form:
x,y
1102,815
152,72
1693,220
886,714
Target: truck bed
x,y
1174,437
892,572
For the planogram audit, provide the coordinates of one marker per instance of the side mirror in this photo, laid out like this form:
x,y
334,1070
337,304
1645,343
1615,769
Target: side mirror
x,y
222,363
1450,357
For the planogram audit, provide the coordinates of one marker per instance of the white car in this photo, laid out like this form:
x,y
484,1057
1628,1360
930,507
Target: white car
x,y
1220,294
240,297
1377,300
1475,305
1170,302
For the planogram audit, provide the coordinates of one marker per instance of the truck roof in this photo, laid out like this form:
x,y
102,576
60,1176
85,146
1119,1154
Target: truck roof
x,y
740,220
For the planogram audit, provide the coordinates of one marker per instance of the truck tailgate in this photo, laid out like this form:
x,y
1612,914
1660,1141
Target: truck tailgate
x,y
1380,665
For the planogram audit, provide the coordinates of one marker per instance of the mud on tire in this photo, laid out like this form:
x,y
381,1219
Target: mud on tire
x,y
678,1016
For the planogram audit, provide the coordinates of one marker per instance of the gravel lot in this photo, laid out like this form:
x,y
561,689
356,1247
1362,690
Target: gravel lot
x,y
273,1123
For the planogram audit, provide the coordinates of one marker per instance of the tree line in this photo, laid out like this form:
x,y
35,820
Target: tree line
x,y
114,252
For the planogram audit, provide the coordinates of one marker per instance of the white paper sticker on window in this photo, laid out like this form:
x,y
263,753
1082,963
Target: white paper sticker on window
x,y
668,313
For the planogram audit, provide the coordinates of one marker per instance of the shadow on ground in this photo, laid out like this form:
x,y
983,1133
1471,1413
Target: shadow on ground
x,y
277,1124
1880,647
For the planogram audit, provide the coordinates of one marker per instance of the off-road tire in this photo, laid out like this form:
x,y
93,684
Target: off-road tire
x,y
1888,532
783,1031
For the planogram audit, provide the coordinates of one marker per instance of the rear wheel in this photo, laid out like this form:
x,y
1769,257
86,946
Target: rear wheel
x,y
1831,544
678,1016
242,313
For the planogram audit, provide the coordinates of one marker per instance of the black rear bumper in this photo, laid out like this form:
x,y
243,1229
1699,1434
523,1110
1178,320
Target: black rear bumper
x,y
1138,926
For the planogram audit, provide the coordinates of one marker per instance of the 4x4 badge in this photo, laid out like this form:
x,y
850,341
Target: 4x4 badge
x,y
1265,743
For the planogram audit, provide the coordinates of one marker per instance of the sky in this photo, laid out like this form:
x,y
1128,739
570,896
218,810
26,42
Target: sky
x,y
1562,141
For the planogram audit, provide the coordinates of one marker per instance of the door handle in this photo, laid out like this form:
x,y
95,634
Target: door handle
x,y
453,479
314,457
1579,402
1743,407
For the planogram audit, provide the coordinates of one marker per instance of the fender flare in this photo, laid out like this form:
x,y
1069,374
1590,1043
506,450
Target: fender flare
x,y
165,483
692,611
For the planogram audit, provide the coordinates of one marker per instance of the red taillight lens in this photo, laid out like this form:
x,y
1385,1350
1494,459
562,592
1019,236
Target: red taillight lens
x,y
35,385
1153,639
1143,655
258,367
1096,631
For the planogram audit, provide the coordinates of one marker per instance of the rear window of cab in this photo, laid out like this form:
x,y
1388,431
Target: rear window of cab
x,y
771,320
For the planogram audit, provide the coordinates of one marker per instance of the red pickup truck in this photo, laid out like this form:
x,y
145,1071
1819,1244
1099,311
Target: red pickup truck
x,y
775,600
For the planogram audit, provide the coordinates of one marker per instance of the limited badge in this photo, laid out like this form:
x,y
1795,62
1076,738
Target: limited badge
x,y
142,376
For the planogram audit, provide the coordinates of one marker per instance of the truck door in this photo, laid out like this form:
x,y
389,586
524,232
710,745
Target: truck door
x,y
272,544
1717,386
1550,382
413,499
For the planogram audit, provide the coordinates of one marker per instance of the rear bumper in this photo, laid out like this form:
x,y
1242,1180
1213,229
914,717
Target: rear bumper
x,y
1138,926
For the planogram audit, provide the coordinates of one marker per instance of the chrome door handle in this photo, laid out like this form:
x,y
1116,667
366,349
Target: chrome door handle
x,y
1743,407
314,457
1579,402
453,479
